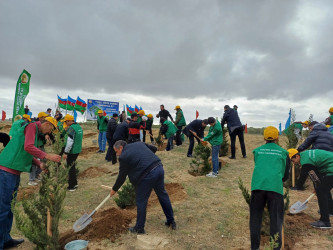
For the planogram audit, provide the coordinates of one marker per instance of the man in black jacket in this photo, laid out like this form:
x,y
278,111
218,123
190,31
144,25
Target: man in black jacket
x,y
319,138
164,114
112,125
235,128
145,171
195,128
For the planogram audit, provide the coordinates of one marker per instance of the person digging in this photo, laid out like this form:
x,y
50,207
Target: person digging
x,y
145,171
322,160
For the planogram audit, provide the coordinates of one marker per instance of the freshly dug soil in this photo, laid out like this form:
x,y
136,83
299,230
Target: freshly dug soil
x,y
89,150
175,190
26,192
93,172
88,135
106,224
7,127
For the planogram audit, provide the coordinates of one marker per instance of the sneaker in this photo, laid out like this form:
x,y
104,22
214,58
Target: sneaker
x,y
212,174
32,183
189,156
136,230
72,189
321,224
244,156
330,214
172,224
297,188
233,158
76,186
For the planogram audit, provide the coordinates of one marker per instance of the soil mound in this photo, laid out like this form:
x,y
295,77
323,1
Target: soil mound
x,y
89,150
7,127
107,224
93,172
26,192
89,135
175,190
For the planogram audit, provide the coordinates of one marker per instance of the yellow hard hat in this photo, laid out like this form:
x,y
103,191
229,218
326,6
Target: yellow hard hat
x,y
306,122
27,117
331,110
42,114
100,111
150,116
271,133
52,121
177,107
141,112
68,117
292,152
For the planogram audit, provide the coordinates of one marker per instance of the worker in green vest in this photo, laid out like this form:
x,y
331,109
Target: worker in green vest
x,y
322,160
179,122
73,148
16,158
271,169
102,125
18,124
169,130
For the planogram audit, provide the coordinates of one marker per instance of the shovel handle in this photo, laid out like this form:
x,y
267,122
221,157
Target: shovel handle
x,y
310,197
102,203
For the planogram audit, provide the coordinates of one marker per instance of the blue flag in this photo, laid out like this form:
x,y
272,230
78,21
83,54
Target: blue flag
x,y
280,129
75,115
288,121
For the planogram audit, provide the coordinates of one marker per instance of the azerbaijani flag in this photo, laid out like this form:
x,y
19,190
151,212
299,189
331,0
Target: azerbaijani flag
x,y
70,103
80,105
62,102
129,109
137,109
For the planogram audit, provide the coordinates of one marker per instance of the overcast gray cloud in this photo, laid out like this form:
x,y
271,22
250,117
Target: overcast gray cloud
x,y
277,51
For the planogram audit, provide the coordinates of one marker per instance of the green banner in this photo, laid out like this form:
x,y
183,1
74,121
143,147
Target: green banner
x,y
22,90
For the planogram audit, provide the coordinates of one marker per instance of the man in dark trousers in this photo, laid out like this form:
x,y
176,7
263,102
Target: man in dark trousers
x,y
72,149
319,138
195,128
134,129
112,125
145,171
179,122
164,114
235,128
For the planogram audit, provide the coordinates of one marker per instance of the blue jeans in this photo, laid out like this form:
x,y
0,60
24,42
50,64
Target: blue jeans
x,y
153,180
170,144
102,141
9,184
215,158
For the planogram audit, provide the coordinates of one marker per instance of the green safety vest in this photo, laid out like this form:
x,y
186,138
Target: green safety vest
x,y
269,167
331,120
182,121
14,156
139,119
102,126
77,146
215,134
321,159
172,129
15,127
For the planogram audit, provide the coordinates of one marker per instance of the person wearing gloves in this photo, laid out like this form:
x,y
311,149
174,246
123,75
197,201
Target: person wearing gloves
x,y
102,124
16,158
168,129
145,171
73,148
215,138
322,160
271,169
179,122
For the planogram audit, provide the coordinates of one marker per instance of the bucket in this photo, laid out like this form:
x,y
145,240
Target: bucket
x,y
76,245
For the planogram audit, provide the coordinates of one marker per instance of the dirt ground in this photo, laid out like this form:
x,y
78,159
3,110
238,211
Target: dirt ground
x,y
210,212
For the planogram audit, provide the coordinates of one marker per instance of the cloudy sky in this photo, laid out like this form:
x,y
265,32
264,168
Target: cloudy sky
x,y
265,56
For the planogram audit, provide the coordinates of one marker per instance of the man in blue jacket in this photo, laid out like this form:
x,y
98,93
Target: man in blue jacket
x,y
235,128
145,171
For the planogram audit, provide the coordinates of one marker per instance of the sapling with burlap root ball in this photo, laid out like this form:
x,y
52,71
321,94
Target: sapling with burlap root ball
x,y
38,218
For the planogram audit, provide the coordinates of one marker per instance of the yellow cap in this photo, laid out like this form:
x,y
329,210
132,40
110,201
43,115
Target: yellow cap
x,y
331,110
271,133
52,121
327,126
306,122
177,107
42,114
150,116
68,117
27,117
100,112
141,112
292,152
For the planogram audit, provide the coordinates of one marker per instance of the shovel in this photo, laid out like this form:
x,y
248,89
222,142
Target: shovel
x,y
86,219
300,206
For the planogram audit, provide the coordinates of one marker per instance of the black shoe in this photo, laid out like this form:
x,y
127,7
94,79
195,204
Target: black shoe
x,y
172,224
12,243
244,156
233,158
297,188
72,189
189,156
136,230
321,224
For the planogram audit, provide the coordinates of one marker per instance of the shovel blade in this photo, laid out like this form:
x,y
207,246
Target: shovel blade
x,y
297,207
82,222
